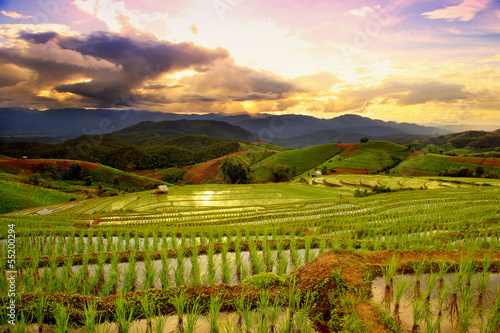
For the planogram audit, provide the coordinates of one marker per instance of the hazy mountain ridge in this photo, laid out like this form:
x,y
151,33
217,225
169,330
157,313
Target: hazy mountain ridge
x,y
64,124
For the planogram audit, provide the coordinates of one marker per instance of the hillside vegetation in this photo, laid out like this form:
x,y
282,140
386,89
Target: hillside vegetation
x,y
16,196
462,143
300,159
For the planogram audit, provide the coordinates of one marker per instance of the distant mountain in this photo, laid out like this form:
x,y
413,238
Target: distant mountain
x,y
151,130
64,124
332,136
286,126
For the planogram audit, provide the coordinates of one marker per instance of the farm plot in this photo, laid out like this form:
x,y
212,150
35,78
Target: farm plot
x,y
260,258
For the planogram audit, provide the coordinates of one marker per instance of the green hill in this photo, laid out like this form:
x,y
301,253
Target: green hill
x,y
461,143
369,157
16,196
426,164
302,159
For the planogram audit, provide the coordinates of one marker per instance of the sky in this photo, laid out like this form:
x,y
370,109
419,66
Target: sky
x,y
426,62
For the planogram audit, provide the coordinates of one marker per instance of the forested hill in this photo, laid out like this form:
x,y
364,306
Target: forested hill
x,y
473,140
147,132
143,146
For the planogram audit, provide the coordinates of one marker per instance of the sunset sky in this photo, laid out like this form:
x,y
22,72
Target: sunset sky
x,y
415,61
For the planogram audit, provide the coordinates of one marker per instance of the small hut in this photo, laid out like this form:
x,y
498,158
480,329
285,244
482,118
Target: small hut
x,y
162,189
317,173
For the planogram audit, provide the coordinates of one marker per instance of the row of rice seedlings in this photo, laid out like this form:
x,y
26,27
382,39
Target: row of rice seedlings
x,y
456,299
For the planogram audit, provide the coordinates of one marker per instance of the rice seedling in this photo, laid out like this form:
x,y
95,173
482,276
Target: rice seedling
x,y
165,269
226,268
482,284
308,242
160,323
213,312
402,285
149,272
211,264
419,269
418,313
239,262
180,303
137,243
154,245
389,273
130,275
39,312
148,307
164,244
90,312
244,310
124,315
195,267
21,325
62,319
173,240
467,310
109,287
494,321
193,314
295,254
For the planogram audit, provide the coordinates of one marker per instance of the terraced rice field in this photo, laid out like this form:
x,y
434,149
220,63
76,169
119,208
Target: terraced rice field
x,y
292,257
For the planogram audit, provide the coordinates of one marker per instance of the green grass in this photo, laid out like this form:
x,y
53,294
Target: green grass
x,y
262,146
303,159
373,156
254,157
121,180
16,196
430,164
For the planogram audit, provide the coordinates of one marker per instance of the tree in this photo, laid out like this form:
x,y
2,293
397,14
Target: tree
x,y
130,167
281,173
479,171
88,180
73,172
324,170
235,172
363,139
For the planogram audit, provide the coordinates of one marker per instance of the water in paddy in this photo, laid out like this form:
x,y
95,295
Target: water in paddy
x,y
227,322
481,309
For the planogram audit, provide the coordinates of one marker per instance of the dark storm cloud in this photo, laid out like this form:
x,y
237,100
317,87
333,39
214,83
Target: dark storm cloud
x,y
38,38
112,64
138,60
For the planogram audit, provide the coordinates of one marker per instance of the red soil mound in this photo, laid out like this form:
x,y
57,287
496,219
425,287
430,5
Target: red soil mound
x,y
466,160
418,152
349,148
493,162
208,170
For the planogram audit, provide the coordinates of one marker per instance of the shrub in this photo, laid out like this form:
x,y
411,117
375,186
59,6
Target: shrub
x,y
263,280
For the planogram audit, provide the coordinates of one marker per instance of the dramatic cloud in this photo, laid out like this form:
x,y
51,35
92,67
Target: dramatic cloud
x,y
131,60
228,78
466,11
403,93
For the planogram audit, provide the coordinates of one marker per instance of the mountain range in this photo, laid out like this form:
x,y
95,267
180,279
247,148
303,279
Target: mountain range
x,y
59,125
